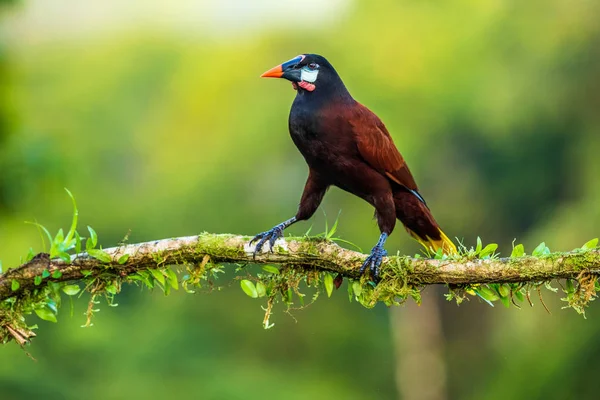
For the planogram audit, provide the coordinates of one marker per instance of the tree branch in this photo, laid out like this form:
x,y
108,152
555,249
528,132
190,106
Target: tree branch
x,y
36,285
305,253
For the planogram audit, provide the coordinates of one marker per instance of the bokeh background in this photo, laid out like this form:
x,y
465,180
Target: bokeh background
x,y
153,115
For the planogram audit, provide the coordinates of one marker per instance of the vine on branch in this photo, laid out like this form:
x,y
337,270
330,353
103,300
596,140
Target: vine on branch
x,y
296,265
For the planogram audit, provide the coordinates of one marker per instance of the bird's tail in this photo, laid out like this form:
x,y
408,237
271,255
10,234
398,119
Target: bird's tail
x,y
444,243
420,224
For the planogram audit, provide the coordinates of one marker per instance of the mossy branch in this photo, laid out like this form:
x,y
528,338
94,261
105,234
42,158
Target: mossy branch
x,y
305,253
36,285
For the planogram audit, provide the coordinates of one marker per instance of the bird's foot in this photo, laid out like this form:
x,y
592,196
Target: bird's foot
x,y
271,236
373,261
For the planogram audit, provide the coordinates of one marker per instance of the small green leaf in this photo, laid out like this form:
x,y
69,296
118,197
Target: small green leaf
x,y
158,275
123,259
504,290
37,280
45,314
518,251
592,244
30,255
519,295
505,301
270,288
15,285
357,288
249,288
488,250
289,294
570,286
59,238
93,239
64,256
86,272
66,246
328,281
100,255
146,279
479,245
71,290
271,269
112,289
487,293
56,274
261,290
45,273
540,249
172,278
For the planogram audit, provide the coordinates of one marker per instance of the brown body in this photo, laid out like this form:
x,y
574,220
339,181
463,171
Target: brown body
x,y
347,145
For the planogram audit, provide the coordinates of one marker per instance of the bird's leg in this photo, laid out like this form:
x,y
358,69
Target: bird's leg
x,y
314,190
271,235
385,212
373,261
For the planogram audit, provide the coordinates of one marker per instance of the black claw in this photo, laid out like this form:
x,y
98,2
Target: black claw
x,y
373,262
255,238
271,236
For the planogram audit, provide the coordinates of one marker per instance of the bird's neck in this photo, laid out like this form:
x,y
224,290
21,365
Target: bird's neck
x,y
324,94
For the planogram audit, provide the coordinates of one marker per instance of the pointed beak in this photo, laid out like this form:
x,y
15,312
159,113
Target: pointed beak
x,y
285,70
275,72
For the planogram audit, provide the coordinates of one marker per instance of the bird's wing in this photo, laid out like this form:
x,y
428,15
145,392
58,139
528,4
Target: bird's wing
x,y
377,148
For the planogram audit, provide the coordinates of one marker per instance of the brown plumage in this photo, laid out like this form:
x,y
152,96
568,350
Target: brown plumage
x,y
347,145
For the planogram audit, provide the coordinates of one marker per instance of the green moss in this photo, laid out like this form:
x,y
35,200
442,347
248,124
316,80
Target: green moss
x,y
214,246
309,245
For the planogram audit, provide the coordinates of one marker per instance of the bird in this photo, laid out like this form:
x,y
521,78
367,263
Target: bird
x,y
346,145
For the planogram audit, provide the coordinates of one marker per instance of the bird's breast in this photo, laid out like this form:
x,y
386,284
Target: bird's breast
x,y
320,138
329,148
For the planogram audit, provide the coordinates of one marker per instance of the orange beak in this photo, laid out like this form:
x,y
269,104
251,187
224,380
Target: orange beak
x,y
275,72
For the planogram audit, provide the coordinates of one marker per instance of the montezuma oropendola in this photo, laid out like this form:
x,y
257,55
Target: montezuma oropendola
x,y
347,145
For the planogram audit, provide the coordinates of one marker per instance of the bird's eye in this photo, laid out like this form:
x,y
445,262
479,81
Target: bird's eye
x,y
313,66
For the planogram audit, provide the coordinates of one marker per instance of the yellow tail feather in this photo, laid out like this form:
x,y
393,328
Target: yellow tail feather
x,y
447,246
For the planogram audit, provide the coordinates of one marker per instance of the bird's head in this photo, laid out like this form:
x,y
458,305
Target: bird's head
x,y
306,72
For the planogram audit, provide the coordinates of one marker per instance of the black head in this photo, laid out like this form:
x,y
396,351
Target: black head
x,y
309,73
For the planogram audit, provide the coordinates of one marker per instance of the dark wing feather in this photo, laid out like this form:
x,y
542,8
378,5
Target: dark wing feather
x,y
377,148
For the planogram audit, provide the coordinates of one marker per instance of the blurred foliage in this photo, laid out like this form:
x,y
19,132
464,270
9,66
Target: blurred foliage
x,y
493,104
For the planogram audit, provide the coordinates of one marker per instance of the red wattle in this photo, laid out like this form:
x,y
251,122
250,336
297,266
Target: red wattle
x,y
307,86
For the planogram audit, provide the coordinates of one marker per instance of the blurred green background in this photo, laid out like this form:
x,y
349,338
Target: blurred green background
x,y
153,115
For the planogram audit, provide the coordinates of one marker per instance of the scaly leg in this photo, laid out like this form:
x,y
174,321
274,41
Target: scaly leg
x,y
271,235
385,211
373,261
